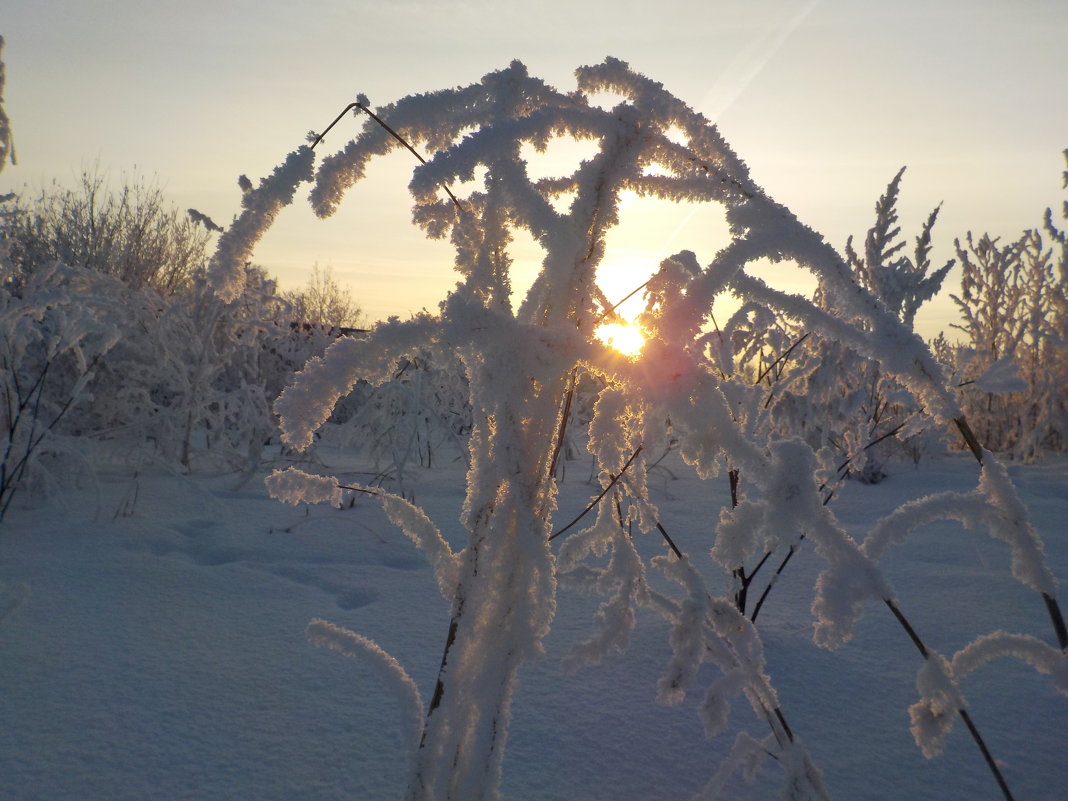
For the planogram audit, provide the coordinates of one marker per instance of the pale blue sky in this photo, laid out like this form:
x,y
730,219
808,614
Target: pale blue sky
x,y
824,100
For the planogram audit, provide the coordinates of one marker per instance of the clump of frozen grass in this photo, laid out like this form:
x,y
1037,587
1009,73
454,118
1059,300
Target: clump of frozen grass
x,y
520,362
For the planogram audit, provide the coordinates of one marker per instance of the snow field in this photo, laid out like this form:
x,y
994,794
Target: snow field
x,y
162,655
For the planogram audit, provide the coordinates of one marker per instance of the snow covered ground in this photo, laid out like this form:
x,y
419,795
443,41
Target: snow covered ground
x,y
161,652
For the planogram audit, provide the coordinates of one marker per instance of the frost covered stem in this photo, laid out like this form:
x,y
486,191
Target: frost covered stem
x,y
979,741
1052,607
390,131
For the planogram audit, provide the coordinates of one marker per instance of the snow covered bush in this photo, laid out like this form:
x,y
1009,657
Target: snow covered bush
x,y
836,398
1013,366
55,328
185,376
520,358
421,413
323,302
193,377
129,232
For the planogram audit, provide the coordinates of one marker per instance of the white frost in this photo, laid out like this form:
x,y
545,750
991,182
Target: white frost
x,y
294,486
940,703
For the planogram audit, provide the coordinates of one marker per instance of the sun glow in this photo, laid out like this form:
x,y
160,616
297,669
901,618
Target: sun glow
x,y
624,337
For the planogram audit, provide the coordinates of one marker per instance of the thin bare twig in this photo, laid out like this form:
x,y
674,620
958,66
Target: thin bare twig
x,y
604,492
618,303
561,434
358,489
784,355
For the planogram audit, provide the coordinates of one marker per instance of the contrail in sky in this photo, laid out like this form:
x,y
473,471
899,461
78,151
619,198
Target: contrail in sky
x,y
741,72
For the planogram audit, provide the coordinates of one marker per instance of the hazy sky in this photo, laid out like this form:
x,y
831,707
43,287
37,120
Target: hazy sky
x,y
825,100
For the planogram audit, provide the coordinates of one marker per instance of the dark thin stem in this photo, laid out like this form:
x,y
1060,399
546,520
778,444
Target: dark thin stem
x,y
563,424
357,489
785,725
1052,607
784,355
604,492
670,542
991,763
1058,620
649,467
969,438
764,595
337,119
871,444
986,754
618,303
439,688
747,581
907,626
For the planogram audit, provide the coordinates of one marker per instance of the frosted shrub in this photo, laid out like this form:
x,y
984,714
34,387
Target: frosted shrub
x,y
54,330
1013,366
410,420
129,232
520,361
190,377
833,396
323,302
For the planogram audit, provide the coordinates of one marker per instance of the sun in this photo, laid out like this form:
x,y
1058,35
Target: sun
x,y
624,337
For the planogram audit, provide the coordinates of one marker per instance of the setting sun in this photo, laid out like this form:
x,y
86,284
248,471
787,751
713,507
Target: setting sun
x,y
624,337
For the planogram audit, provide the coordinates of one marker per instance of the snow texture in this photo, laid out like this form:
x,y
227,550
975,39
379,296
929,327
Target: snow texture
x,y
388,670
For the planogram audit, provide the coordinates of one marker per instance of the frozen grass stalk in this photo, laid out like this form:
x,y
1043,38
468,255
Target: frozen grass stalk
x,y
521,362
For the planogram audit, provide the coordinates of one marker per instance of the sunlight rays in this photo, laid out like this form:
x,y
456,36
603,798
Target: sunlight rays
x,y
624,337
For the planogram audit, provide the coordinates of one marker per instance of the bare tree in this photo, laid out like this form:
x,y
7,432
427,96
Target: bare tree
x,y
324,303
131,233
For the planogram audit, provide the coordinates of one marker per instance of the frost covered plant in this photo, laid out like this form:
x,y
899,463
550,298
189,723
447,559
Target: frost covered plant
x,y
1015,366
520,359
53,332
